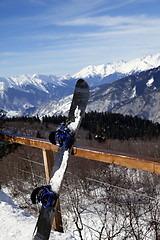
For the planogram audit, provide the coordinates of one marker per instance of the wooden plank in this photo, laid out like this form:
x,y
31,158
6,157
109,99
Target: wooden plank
x,y
157,168
57,221
147,164
32,142
48,163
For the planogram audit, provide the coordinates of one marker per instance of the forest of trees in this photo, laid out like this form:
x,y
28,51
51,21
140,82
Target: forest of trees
x,y
105,125
2,117
113,126
117,126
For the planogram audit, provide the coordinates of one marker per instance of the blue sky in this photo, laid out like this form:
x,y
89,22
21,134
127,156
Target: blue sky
x,y
63,36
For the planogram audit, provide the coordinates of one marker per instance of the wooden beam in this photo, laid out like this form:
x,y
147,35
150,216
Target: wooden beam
x,y
147,164
48,163
57,221
28,141
48,159
126,160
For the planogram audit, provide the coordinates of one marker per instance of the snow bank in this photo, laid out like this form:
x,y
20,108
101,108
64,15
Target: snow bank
x,y
17,224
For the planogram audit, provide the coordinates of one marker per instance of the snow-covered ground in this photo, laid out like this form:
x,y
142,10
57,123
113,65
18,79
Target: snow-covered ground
x,y
17,224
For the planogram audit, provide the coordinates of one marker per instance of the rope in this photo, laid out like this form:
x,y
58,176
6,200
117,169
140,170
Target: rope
x,y
28,160
30,173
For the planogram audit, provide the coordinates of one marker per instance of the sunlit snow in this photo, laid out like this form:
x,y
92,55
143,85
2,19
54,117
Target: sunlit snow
x,y
73,125
150,81
139,64
56,180
133,92
16,224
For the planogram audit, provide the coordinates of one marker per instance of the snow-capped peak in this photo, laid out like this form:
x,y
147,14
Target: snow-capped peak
x,y
41,82
127,68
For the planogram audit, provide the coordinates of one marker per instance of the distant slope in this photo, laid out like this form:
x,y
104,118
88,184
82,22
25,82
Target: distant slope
x,y
20,95
136,95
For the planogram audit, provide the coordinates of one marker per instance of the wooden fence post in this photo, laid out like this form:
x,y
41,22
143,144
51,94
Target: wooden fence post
x,y
48,163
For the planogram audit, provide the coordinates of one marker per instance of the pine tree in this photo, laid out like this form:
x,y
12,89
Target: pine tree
x,y
2,116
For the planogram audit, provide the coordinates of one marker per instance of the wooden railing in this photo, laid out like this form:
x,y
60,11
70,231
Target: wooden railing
x,y
147,164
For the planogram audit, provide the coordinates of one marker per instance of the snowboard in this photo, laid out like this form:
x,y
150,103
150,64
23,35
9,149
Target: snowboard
x,y
66,137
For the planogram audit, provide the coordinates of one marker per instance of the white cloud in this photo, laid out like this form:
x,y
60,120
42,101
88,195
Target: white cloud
x,y
101,27
110,21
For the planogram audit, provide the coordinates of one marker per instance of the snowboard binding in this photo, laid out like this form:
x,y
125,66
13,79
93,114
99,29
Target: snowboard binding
x,y
45,195
64,137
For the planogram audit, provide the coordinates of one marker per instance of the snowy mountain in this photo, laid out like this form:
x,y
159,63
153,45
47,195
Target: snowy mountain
x,y
107,73
136,95
27,94
17,224
21,94
56,107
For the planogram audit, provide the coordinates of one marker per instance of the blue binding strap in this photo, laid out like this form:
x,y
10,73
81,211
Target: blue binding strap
x,y
48,197
64,136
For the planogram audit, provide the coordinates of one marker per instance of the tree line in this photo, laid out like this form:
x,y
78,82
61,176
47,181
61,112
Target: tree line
x,y
105,125
117,126
113,126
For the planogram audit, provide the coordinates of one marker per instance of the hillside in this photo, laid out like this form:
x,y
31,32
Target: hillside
x,y
135,95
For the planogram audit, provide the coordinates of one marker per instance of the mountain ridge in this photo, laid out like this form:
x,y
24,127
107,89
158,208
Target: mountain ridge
x,y
25,94
135,95
121,68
